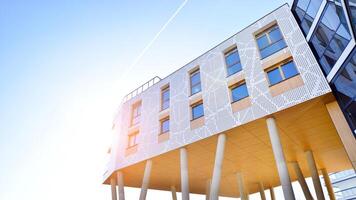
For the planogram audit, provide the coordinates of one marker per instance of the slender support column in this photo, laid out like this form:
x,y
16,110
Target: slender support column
x,y
174,193
271,191
302,181
120,184
219,156
315,176
280,160
184,174
328,184
262,191
207,189
242,189
113,188
146,180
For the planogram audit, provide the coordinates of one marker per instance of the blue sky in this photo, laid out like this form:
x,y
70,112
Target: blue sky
x,y
64,67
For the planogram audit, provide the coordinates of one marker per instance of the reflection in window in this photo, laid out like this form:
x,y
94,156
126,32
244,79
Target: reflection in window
x,y
270,41
233,64
306,11
136,113
165,125
195,85
165,98
197,110
344,85
282,72
352,5
239,92
331,36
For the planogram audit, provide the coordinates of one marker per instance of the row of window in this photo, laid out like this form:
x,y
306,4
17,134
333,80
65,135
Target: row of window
x,y
268,42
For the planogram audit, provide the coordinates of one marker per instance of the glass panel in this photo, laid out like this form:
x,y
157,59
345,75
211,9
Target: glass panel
x,y
234,69
262,41
352,6
313,8
165,99
197,111
239,92
273,48
196,89
195,78
289,69
331,37
275,35
344,85
232,58
165,126
303,4
274,76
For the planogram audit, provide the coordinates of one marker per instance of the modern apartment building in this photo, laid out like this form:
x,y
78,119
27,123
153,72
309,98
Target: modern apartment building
x,y
250,114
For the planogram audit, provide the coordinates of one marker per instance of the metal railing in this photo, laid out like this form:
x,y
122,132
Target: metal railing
x,y
141,89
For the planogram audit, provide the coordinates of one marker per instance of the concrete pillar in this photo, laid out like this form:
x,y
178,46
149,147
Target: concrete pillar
x,y
328,184
146,180
174,193
271,191
242,188
207,189
280,159
219,156
302,181
113,188
120,184
262,191
184,174
315,176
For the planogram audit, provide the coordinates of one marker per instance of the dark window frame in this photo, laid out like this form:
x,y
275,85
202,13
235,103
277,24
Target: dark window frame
x,y
279,67
191,74
134,136
195,105
266,32
136,110
228,53
163,100
161,125
235,86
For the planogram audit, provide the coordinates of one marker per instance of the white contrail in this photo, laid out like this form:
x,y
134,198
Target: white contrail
x,y
138,58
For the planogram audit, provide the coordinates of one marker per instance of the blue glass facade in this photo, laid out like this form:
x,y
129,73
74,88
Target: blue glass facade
x,y
344,85
306,11
329,37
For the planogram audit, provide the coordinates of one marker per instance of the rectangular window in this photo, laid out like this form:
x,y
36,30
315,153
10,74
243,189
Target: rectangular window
x,y
284,71
232,60
270,41
165,125
132,139
165,98
136,113
195,85
239,92
197,110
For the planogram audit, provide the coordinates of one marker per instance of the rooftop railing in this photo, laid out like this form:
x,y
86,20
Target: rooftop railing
x,y
142,88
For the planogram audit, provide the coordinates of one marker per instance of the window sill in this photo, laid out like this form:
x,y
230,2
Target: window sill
x,y
241,104
286,85
133,129
163,137
275,58
131,150
196,123
163,114
235,78
195,98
